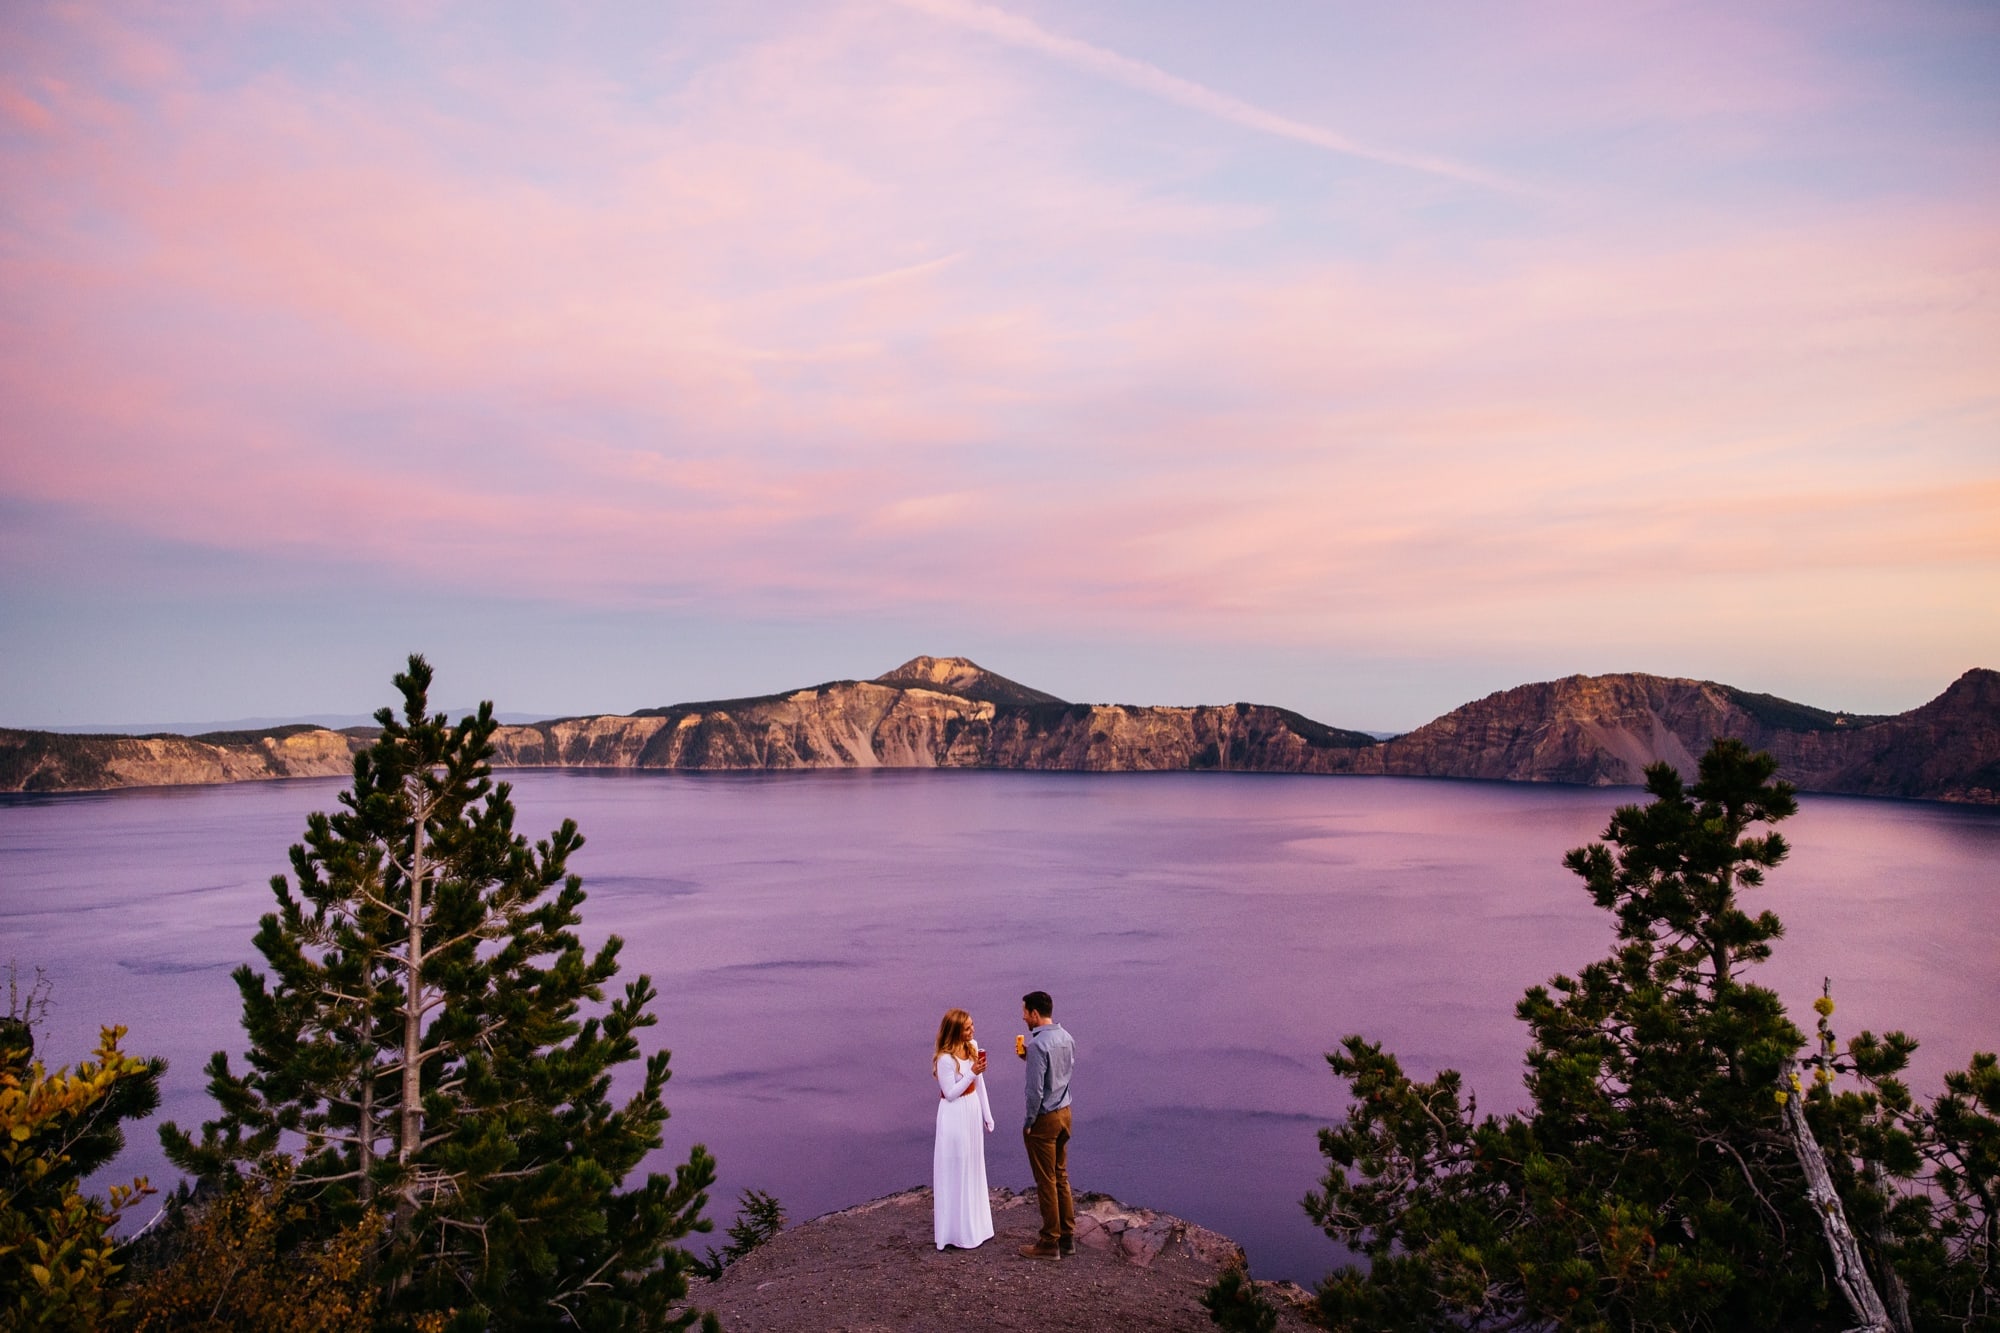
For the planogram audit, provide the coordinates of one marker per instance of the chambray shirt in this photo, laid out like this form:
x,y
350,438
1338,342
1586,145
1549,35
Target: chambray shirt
x,y
1051,1057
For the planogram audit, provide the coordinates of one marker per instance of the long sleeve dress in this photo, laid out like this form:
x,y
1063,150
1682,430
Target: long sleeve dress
x,y
961,1213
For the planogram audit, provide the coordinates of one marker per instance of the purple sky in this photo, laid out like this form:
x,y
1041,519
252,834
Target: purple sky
x,y
1360,359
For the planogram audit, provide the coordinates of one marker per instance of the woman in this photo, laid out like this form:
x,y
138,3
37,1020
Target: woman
x,y
961,1214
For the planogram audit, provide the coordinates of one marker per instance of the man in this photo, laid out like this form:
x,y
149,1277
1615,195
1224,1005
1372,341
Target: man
x,y
1051,1055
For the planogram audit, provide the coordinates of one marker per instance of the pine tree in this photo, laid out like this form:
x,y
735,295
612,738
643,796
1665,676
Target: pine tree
x,y
1652,1183
1921,1182
419,1047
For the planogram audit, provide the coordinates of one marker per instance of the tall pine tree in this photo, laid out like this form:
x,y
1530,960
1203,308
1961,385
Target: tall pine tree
x,y
1652,1183
419,1047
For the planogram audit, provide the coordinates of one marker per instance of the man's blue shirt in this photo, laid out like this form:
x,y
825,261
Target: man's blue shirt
x,y
1051,1057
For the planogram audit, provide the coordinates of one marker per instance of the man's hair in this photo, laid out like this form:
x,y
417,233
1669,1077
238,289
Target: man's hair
x,y
1039,1001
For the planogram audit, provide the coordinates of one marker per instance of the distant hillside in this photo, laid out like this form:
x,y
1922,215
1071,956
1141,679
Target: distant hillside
x,y
1604,730
952,713
33,761
933,713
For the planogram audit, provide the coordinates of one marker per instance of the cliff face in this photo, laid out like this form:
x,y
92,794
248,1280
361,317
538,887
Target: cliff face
x,y
872,724
1605,730
1947,750
33,761
951,713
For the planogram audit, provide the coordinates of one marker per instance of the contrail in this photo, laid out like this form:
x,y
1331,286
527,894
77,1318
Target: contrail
x,y
1018,31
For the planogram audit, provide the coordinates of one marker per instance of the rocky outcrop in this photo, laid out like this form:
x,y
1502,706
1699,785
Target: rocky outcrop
x,y
952,713
886,724
1605,730
956,675
874,1267
33,761
1947,750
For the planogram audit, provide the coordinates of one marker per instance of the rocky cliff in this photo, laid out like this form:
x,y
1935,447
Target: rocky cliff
x,y
952,713
1605,730
934,713
32,761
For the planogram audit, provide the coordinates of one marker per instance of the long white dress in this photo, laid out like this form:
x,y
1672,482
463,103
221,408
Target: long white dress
x,y
961,1213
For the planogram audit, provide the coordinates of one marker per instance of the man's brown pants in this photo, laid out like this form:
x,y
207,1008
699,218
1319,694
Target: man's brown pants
x,y
1048,1156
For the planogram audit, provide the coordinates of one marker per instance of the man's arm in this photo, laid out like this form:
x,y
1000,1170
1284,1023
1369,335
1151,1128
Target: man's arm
x,y
1038,1079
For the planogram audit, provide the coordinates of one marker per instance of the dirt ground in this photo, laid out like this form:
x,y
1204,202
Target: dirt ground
x,y
873,1269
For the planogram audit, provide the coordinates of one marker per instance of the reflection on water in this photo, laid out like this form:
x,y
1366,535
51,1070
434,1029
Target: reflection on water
x,y
1207,937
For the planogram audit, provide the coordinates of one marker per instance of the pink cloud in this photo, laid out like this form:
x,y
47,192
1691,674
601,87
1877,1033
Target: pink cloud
x,y
803,330
23,111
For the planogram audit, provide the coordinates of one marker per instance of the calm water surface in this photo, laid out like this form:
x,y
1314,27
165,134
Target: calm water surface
x,y
1206,937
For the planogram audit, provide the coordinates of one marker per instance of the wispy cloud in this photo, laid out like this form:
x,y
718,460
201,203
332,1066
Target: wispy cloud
x,y
1151,79
844,327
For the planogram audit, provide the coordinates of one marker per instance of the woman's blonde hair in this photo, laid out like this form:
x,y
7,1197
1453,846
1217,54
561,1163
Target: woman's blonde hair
x,y
952,1038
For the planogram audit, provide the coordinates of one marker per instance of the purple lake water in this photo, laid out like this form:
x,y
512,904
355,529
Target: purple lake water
x,y
1206,937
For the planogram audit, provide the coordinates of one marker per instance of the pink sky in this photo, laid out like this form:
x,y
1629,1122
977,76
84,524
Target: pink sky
x,y
1357,364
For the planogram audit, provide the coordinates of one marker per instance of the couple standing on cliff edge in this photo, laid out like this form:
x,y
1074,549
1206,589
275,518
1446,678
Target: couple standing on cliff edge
x,y
961,1213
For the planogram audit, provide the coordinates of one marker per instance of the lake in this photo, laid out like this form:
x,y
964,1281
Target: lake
x,y
1206,937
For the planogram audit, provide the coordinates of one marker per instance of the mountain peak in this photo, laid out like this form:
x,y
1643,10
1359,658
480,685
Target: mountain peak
x,y
1978,689
964,677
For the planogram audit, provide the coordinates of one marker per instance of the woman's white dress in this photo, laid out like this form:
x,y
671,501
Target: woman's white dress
x,y
961,1214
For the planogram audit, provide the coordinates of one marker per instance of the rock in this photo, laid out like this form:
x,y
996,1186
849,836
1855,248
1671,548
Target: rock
x,y
46,761
1605,730
961,676
874,1267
